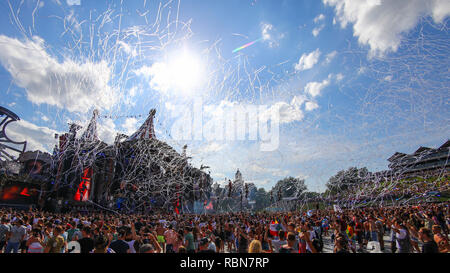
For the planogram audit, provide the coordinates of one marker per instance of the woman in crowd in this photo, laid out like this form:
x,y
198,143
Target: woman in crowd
x,y
231,232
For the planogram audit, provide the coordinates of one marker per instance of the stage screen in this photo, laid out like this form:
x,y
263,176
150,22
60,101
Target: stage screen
x,y
19,193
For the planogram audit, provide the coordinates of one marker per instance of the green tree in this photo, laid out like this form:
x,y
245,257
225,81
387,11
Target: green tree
x,y
290,187
310,194
262,199
345,179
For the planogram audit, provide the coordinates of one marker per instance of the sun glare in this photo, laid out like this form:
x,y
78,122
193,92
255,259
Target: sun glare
x,y
185,70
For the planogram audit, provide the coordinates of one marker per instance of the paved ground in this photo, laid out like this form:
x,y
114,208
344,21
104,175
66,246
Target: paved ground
x,y
328,245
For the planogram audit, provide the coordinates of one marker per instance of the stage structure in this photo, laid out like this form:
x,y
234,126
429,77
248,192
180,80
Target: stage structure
x,y
135,173
7,145
150,173
22,174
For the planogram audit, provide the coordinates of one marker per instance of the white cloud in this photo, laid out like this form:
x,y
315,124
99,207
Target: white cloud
x,y
210,148
307,61
298,101
270,35
159,74
265,170
311,148
317,30
260,182
73,2
37,137
76,87
265,28
380,24
283,111
330,56
106,130
287,112
319,17
302,176
315,88
311,105
339,77
130,125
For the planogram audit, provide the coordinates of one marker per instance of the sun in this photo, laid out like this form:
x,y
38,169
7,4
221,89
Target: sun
x,y
185,71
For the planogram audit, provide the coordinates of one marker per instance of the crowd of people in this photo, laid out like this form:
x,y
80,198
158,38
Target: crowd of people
x,y
420,228
395,187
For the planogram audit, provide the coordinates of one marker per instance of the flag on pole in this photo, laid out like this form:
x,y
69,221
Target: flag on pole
x,y
274,228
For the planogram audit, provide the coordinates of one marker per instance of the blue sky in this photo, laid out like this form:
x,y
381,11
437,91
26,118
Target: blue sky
x,y
353,81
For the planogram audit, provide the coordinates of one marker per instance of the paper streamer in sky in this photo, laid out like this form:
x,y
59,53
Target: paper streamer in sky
x,y
246,45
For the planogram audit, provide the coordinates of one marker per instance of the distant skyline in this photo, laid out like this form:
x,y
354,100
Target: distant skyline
x,y
353,81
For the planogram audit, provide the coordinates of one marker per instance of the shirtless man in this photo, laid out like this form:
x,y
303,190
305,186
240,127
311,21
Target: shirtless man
x,y
170,237
373,229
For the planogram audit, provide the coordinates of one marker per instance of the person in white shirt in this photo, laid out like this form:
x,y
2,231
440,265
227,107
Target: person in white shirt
x,y
278,243
402,238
